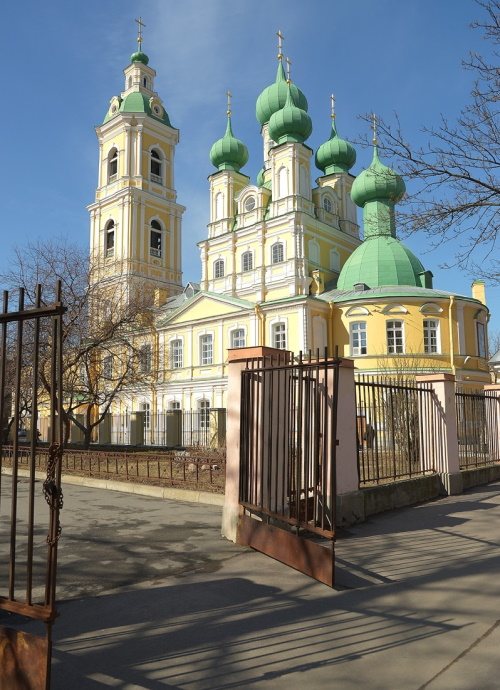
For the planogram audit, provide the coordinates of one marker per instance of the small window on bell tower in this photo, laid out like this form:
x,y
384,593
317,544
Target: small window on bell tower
x,y
112,165
145,82
156,171
155,239
110,238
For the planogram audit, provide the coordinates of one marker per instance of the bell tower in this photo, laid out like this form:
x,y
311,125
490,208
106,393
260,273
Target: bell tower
x,y
135,220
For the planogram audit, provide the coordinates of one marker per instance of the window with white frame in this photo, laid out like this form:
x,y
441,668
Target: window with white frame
x,y
246,261
206,349
219,268
107,367
249,203
155,239
358,338
314,252
156,166
176,353
146,409
327,204
282,182
334,260
219,205
277,253
279,335
145,359
238,337
431,336
395,337
204,413
174,405
110,238
113,165
481,339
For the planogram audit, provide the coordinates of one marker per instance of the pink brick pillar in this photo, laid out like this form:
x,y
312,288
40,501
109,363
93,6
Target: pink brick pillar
x,y
441,419
237,362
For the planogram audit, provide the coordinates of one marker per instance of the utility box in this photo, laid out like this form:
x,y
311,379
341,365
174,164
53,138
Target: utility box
x,y
173,427
137,421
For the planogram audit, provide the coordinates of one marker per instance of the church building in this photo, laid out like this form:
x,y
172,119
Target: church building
x,y
283,263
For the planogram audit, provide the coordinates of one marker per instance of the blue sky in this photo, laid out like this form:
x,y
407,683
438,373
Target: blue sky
x,y
65,61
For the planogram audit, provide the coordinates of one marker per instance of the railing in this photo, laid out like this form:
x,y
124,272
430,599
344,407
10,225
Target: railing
x,y
478,421
202,470
398,429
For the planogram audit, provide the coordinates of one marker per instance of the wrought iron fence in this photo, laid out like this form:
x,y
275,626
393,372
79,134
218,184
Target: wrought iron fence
x,y
478,421
194,469
398,429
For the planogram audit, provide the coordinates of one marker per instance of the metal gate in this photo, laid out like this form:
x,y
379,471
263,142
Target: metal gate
x,y
30,385
287,462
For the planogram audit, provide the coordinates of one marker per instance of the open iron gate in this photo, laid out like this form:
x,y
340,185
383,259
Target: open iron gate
x,y
287,462
30,352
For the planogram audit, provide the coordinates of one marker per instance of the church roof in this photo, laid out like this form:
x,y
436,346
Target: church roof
x,y
138,102
398,291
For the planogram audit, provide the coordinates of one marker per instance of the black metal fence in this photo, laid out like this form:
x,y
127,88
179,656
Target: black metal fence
x,y
288,443
478,422
398,427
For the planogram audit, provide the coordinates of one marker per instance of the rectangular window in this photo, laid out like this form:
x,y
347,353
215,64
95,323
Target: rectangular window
x,y
107,367
431,336
206,349
176,354
279,336
174,405
146,408
247,261
481,339
395,342
358,338
145,359
204,410
155,246
238,338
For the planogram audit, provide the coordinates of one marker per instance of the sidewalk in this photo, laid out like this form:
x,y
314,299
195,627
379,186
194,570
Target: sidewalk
x,y
152,597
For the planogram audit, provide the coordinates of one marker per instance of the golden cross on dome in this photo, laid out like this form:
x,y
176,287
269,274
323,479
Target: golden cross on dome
x,y
332,106
280,45
229,95
139,36
288,70
374,129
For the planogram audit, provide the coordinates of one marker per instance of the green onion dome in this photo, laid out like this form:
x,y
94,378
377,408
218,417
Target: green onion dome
x,y
229,153
139,56
291,123
336,155
273,98
381,260
377,183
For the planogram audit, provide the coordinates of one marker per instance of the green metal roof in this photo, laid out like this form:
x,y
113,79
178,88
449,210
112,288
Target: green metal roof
x,y
381,260
229,153
138,102
377,183
424,294
336,155
273,98
139,56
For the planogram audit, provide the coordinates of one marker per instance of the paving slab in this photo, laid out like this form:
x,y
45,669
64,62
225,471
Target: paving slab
x,y
152,597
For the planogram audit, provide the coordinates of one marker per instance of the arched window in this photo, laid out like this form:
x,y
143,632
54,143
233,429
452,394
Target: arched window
x,y
277,253
112,165
156,166
246,261
219,268
334,260
110,238
144,81
282,182
278,333
155,239
129,82
176,353
219,205
314,252
238,337
327,204
145,359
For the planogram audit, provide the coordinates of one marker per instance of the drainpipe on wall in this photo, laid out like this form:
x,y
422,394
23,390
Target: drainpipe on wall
x,y
452,343
332,350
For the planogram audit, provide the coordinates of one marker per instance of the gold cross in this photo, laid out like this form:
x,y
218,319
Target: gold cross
x,y
229,95
280,45
332,107
374,129
139,37
288,70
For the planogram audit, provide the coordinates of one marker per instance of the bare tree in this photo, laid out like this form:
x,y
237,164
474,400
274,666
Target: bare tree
x,y
101,358
456,194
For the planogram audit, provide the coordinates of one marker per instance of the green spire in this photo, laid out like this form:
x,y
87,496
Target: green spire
x,y
291,123
229,153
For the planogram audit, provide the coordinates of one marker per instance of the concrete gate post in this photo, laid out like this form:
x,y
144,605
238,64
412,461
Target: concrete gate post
x,y
237,362
443,413
493,421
